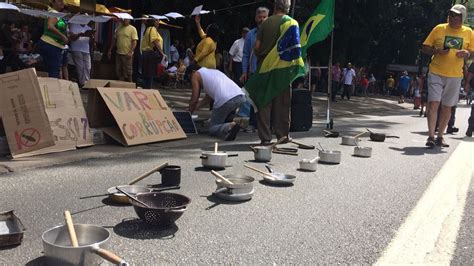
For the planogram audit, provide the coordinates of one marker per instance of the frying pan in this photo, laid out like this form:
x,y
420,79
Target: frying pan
x,y
274,178
331,134
379,137
120,198
301,145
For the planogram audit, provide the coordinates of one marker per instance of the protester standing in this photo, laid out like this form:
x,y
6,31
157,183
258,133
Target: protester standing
x,y
468,88
417,84
80,50
389,85
348,76
53,42
249,64
125,39
449,44
152,52
403,86
174,52
336,79
236,53
205,51
276,114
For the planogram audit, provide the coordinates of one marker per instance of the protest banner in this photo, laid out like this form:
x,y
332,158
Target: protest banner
x,y
67,116
23,113
141,116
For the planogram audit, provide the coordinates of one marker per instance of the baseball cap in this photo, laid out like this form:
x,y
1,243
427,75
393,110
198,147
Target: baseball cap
x,y
459,9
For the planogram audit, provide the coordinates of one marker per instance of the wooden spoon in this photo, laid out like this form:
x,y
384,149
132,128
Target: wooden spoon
x,y
70,229
219,176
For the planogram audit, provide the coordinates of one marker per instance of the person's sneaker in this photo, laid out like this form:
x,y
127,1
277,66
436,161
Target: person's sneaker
x,y
232,133
469,132
441,142
430,142
250,129
452,130
421,112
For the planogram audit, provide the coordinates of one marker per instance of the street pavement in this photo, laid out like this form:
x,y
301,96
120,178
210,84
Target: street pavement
x,y
341,214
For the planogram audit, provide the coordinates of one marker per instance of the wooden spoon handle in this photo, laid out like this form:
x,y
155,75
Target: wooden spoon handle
x,y
70,228
110,256
219,176
259,171
358,135
158,168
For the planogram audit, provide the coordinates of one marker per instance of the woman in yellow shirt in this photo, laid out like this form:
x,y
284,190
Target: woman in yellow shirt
x,y
205,50
152,52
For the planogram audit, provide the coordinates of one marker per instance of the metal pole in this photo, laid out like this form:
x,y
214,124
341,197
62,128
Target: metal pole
x,y
293,9
328,119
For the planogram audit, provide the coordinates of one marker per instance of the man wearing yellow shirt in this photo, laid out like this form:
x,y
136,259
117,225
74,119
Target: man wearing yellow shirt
x,y
125,38
206,49
449,44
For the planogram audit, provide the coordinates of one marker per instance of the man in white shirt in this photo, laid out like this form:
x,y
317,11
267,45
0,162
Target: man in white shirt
x,y
80,50
174,53
348,76
227,97
236,53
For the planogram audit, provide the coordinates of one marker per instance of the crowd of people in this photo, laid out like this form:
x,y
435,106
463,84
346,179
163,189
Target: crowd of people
x,y
221,77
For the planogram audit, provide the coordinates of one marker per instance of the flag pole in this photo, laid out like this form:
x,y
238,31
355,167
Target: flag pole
x,y
329,124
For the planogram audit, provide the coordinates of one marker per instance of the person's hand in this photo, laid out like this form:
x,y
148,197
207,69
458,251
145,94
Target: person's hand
x,y
441,51
65,39
463,54
130,54
197,18
243,78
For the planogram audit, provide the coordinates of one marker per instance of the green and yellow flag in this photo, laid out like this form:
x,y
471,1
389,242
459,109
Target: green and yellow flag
x,y
279,68
318,26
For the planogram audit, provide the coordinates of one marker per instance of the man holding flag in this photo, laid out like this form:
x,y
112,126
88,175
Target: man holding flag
x,y
279,60
280,55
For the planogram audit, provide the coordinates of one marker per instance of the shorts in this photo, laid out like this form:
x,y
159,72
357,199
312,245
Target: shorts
x,y
443,89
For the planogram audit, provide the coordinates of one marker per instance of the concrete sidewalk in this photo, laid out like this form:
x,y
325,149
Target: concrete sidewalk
x,y
178,99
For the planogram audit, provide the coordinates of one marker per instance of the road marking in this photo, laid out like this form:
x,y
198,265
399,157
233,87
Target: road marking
x,y
428,235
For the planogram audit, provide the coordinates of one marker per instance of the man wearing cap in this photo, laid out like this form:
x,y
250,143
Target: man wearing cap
x,y
449,44
236,51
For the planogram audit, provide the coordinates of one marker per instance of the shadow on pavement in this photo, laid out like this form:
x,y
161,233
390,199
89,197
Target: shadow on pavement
x,y
217,201
38,261
135,228
417,151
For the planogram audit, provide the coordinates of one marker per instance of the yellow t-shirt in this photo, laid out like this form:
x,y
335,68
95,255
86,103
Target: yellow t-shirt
x,y
151,35
443,36
390,83
205,52
125,35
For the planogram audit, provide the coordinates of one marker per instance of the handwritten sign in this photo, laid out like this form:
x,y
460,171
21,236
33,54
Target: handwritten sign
x,y
67,117
23,113
141,115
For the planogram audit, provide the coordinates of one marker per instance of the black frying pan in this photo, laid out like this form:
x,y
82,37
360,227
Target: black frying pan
x,y
379,137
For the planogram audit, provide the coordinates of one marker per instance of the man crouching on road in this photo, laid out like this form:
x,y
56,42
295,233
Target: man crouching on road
x,y
449,44
227,97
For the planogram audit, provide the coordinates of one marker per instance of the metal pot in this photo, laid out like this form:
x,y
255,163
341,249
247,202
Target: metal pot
x,y
379,137
329,156
308,165
215,160
262,153
350,140
240,190
365,152
92,246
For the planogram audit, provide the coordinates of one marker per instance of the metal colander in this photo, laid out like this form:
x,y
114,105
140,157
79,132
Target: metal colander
x,y
165,208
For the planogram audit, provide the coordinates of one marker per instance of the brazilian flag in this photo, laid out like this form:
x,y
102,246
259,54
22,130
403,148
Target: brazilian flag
x,y
318,26
279,68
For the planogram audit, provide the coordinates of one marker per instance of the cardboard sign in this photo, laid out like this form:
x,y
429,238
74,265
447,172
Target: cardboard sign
x,y
142,116
97,112
22,110
66,114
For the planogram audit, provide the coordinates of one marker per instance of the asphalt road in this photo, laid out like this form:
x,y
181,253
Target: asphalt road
x,y
345,214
